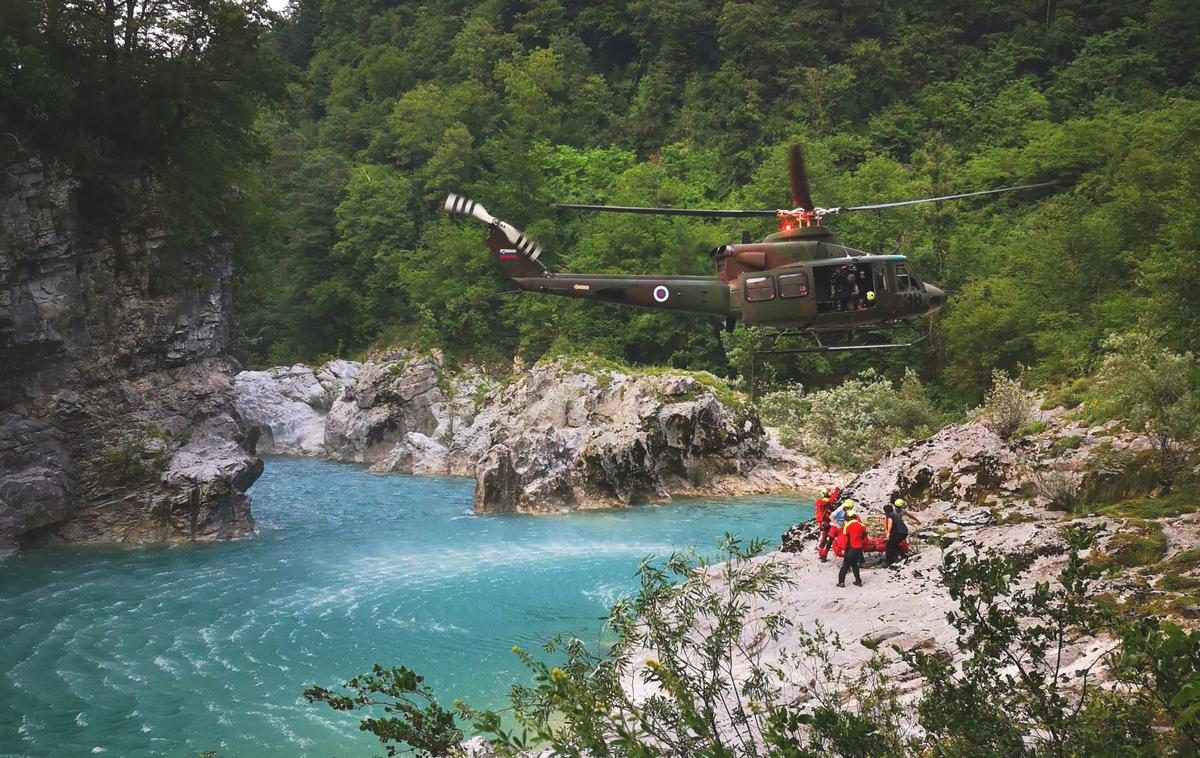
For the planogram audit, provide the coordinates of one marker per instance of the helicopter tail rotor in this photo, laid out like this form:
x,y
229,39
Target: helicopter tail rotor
x,y
459,205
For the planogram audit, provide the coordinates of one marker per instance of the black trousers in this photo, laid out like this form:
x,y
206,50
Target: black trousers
x,y
893,549
854,556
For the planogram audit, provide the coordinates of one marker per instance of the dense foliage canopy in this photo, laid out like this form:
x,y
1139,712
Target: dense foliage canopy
x,y
693,102
141,99
686,102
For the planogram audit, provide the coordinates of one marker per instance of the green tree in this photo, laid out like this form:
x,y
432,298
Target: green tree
x,y
165,90
1155,390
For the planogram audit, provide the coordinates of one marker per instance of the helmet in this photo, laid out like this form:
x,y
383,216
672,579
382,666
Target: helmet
x,y
824,492
849,506
871,296
900,503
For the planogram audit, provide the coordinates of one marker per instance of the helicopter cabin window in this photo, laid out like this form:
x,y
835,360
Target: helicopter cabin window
x,y
905,282
793,285
760,288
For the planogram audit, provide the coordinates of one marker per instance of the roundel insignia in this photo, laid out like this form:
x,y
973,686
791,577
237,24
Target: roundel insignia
x,y
661,294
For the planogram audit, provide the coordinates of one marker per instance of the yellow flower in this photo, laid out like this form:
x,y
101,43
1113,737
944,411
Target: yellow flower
x,y
557,674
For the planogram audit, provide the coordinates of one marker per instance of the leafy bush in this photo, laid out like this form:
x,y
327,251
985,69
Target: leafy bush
x,y
785,410
1012,695
1007,407
124,462
852,424
1070,395
139,454
418,721
1161,664
1155,390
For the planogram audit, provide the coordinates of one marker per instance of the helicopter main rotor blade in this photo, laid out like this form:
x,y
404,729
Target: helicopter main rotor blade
x,y
798,176
714,213
799,184
880,206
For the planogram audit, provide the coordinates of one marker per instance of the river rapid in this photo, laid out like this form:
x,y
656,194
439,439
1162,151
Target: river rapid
x,y
175,650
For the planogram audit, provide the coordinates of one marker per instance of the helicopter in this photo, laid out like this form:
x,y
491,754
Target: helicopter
x,y
800,280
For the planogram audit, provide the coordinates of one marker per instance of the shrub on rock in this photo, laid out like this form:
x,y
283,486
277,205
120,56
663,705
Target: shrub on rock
x,y
851,425
1008,406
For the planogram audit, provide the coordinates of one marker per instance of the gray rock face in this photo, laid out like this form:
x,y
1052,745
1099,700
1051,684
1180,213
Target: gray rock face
x,y
37,479
112,347
562,436
287,405
967,463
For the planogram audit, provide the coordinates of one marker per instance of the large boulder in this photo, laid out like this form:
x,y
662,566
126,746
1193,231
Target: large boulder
x,y
563,437
966,463
287,405
390,398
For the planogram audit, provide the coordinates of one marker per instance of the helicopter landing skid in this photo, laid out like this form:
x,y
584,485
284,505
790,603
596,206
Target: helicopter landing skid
x,y
818,346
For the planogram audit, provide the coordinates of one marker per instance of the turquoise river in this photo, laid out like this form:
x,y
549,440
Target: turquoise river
x,y
178,650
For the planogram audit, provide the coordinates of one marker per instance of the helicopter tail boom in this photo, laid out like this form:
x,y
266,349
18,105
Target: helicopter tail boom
x,y
517,256
691,294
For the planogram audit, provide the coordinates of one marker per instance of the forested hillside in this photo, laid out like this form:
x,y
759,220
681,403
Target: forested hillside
x,y
693,103
684,102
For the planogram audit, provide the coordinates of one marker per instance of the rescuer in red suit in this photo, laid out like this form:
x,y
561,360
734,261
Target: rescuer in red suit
x,y
824,511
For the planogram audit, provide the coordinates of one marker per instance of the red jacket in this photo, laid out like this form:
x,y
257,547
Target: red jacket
x,y
856,533
825,505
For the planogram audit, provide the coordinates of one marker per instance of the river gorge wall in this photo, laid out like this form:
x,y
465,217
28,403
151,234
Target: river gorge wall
x,y
117,421
122,419
561,435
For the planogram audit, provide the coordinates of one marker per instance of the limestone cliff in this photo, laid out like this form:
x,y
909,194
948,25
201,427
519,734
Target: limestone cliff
x,y
561,435
116,401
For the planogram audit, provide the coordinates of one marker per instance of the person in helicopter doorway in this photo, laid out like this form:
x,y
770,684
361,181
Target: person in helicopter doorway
x,y
848,287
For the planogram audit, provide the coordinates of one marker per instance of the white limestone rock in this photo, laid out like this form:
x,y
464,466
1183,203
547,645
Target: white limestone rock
x,y
562,436
389,398
284,405
963,463
287,405
565,436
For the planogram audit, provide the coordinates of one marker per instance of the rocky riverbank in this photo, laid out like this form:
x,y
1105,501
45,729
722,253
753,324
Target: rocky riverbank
x,y
975,491
562,435
116,405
